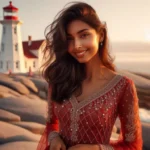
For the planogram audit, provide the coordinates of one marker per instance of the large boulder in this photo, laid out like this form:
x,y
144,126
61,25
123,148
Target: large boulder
x,y
5,76
118,125
33,96
11,133
27,109
41,84
114,136
19,145
2,95
114,129
17,86
43,94
139,81
144,101
143,92
8,116
146,135
143,88
31,126
5,90
27,82
145,75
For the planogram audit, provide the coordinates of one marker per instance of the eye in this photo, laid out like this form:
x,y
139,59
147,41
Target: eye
x,y
84,35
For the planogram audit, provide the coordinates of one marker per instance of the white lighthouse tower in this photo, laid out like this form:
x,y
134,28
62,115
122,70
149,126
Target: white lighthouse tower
x,y
11,50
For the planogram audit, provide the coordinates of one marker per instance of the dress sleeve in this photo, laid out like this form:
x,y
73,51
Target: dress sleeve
x,y
131,133
52,125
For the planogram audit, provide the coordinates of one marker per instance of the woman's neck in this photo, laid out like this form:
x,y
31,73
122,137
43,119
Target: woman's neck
x,y
94,69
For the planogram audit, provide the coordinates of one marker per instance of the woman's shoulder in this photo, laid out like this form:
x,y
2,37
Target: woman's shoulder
x,y
126,84
117,77
126,79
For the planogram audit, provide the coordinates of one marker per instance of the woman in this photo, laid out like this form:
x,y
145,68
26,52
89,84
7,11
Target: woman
x,y
86,94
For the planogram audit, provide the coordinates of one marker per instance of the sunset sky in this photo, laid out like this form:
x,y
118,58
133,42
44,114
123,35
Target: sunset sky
x,y
127,20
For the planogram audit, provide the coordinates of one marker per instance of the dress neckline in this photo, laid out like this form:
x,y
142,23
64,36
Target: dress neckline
x,y
101,92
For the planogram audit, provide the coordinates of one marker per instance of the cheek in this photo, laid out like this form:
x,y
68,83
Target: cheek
x,y
93,44
96,43
92,41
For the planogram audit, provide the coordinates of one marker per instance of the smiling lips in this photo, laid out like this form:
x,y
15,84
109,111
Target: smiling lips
x,y
81,53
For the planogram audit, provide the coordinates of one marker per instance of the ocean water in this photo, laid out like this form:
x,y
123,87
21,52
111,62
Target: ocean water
x,y
132,56
140,66
144,115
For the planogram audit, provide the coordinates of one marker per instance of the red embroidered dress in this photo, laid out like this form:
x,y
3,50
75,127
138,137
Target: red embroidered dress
x,y
91,120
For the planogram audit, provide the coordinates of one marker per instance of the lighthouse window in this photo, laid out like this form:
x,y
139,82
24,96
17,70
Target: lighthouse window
x,y
34,64
15,30
25,64
2,48
16,47
1,64
4,30
17,64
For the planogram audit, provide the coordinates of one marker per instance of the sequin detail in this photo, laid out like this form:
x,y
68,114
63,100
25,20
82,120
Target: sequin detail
x,y
92,122
133,114
102,103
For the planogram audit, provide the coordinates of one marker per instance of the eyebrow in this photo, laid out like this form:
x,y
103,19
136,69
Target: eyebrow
x,y
80,31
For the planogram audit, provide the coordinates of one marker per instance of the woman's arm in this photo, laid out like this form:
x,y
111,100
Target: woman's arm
x,y
52,127
131,134
131,137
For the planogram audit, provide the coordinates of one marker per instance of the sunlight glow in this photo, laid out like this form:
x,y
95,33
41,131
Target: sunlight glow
x,y
147,35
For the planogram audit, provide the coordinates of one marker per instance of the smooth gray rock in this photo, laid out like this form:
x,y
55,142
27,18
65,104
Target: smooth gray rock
x,y
8,116
19,145
27,109
27,82
33,97
31,126
17,86
118,125
41,84
139,81
43,94
5,76
4,89
145,75
114,136
146,135
11,133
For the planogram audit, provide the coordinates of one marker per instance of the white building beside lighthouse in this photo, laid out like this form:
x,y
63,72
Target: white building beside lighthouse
x,y
16,55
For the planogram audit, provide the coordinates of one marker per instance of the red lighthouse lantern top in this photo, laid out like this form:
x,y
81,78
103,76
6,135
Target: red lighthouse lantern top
x,y
9,12
10,8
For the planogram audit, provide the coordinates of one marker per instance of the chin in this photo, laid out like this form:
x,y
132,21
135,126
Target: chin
x,y
83,60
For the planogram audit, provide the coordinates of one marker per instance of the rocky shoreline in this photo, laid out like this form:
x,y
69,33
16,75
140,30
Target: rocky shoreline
x,y
23,109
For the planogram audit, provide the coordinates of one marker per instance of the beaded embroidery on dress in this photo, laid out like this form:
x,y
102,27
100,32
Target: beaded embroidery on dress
x,y
91,121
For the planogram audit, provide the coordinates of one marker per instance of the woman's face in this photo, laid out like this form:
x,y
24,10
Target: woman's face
x,y
83,41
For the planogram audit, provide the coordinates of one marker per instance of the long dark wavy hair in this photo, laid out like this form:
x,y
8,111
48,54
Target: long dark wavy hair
x,y
64,73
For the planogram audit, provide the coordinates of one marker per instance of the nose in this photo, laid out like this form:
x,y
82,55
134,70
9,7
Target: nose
x,y
77,43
